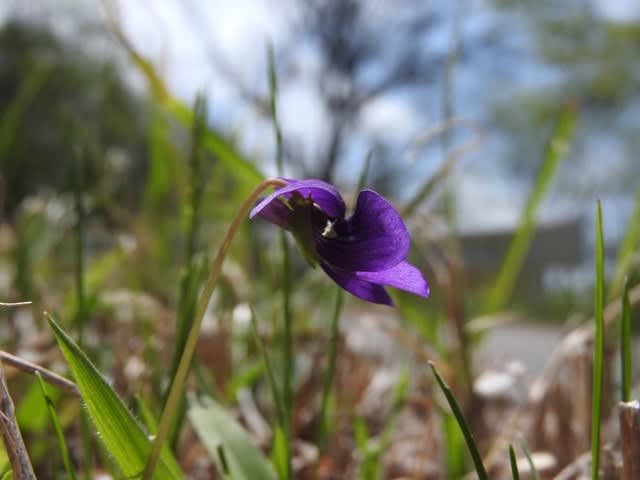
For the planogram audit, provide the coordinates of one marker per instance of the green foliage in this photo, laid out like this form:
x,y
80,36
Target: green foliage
x,y
216,428
54,97
468,436
514,465
64,450
372,449
556,150
122,435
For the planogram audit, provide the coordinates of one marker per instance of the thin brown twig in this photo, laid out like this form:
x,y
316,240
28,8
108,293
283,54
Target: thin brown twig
x,y
16,451
14,304
47,375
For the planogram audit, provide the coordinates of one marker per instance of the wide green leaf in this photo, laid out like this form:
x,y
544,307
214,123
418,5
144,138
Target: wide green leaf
x,y
217,429
122,435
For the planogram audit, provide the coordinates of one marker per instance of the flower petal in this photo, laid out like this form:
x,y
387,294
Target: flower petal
x,y
371,292
323,194
403,276
375,238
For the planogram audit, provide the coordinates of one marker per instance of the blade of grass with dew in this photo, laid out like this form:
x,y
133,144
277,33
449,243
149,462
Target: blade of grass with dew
x,y
514,465
215,427
120,432
64,450
471,444
287,337
556,149
630,242
527,455
598,346
625,344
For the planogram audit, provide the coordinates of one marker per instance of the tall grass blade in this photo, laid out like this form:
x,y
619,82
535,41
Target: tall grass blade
x,y
17,108
331,364
556,150
287,337
514,465
598,347
468,436
630,243
122,435
237,165
277,398
215,427
625,345
81,295
527,455
64,450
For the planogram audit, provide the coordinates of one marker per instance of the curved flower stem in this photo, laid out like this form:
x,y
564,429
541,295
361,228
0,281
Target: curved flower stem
x,y
173,400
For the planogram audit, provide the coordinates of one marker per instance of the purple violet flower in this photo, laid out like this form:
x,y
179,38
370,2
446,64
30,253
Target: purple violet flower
x,y
362,253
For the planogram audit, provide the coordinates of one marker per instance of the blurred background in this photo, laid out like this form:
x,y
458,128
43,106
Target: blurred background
x,y
355,79
131,131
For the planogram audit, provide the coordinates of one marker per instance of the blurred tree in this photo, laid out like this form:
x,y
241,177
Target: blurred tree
x,y
56,99
589,61
365,49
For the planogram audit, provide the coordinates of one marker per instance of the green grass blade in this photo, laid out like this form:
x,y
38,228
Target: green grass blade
x,y
468,436
16,109
556,150
514,465
630,242
239,166
598,346
64,451
331,364
625,344
215,428
122,435
287,334
277,398
364,173
527,455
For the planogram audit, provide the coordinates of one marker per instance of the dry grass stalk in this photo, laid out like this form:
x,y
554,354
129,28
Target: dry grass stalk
x,y
16,451
630,439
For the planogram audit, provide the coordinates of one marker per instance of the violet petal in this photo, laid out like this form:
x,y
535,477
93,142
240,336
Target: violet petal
x,y
375,238
363,289
403,276
323,194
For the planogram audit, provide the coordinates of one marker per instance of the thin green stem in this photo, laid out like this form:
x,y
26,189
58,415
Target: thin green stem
x,y
81,311
173,400
625,344
468,436
331,364
514,465
532,466
598,347
287,345
280,410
